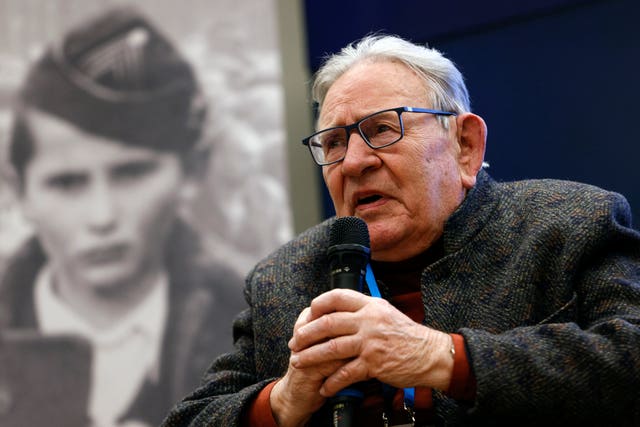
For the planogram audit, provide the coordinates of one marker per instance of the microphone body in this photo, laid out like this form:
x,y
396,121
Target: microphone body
x,y
348,255
347,266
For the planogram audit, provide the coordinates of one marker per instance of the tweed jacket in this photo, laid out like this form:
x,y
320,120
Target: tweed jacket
x,y
541,277
203,295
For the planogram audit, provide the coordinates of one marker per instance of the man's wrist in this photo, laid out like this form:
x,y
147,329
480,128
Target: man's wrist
x,y
259,413
280,408
439,360
447,360
463,382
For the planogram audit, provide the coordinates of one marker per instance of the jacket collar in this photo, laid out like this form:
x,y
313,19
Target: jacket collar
x,y
472,214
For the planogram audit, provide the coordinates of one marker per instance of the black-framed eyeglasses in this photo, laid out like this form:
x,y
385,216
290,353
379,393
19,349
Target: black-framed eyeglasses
x,y
378,130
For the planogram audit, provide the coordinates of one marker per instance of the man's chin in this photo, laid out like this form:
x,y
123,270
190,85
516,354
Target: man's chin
x,y
382,240
109,283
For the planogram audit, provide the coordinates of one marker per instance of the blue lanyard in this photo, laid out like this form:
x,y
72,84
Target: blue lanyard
x,y
371,283
409,392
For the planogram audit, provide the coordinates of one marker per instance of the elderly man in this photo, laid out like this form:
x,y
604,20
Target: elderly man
x,y
504,303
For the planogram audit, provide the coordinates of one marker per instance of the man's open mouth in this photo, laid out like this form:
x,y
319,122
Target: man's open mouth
x,y
369,199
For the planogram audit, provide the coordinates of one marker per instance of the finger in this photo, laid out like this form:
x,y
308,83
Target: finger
x,y
303,319
340,348
350,373
297,393
337,300
324,328
308,381
318,372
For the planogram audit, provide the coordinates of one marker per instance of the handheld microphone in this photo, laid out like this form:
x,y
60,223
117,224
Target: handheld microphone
x,y
348,253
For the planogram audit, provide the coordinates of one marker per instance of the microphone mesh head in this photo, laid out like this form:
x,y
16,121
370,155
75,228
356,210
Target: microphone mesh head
x,y
349,230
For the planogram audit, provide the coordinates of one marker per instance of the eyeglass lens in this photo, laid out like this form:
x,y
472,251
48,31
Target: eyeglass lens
x,y
379,130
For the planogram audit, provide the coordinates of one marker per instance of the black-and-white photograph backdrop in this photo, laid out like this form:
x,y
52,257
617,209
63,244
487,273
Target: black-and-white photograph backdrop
x,y
143,175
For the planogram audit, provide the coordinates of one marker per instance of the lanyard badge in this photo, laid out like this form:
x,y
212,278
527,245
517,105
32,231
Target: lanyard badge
x,y
409,392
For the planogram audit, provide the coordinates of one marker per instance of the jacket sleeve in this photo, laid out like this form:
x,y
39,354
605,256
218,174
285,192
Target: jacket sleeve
x,y
276,291
581,364
227,388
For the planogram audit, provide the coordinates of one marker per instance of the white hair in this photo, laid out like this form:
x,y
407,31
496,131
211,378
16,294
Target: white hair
x,y
444,85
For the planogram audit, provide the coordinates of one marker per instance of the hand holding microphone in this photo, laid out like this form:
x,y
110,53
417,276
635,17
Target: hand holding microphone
x,y
348,255
346,337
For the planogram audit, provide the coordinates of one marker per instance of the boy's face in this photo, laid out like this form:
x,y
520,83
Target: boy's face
x,y
102,209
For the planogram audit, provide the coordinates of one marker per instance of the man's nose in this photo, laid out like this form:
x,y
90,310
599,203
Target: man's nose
x,y
359,156
102,207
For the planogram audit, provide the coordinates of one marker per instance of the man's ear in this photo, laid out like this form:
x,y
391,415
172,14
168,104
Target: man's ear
x,y
472,138
194,168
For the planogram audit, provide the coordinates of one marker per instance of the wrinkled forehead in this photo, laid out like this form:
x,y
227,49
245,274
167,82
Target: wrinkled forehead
x,y
371,86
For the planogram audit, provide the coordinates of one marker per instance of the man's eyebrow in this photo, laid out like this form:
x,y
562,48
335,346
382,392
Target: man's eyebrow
x,y
134,164
66,177
68,172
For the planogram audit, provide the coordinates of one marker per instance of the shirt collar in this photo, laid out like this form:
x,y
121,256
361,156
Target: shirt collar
x,y
56,317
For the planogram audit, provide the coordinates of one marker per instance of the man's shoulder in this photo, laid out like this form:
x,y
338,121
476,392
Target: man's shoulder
x,y
564,200
557,191
17,278
308,244
549,187
199,276
303,257
209,277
